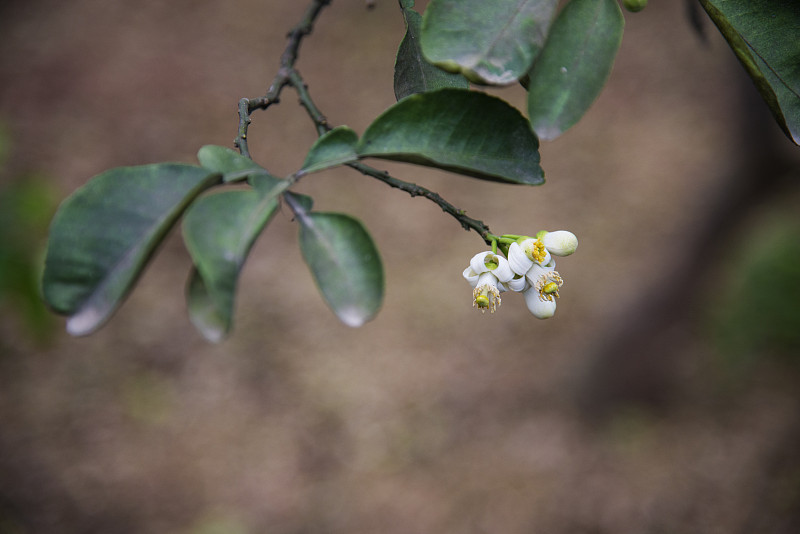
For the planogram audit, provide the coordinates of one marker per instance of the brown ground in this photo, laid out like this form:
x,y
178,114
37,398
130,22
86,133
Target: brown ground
x,y
619,415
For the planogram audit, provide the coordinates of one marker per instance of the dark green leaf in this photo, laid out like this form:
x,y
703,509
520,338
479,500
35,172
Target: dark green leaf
x,y
219,230
412,72
104,233
210,319
466,132
765,35
488,42
336,147
344,263
304,201
574,65
268,185
232,165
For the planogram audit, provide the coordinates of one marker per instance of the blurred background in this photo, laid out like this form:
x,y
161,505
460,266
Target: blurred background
x,y
663,397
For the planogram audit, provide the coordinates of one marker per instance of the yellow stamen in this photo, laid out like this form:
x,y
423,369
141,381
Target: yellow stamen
x,y
486,297
536,251
547,285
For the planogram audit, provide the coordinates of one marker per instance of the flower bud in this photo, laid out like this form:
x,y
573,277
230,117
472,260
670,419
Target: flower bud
x,y
560,243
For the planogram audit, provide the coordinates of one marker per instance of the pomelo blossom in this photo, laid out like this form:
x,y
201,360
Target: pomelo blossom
x,y
541,296
486,273
559,243
530,269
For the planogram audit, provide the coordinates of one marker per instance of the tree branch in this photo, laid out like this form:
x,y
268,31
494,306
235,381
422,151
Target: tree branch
x,y
288,75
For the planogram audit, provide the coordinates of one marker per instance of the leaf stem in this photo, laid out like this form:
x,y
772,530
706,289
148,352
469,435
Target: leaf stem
x,y
468,223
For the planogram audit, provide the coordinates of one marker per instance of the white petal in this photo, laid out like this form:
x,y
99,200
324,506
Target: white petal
x,y
503,272
478,262
470,276
487,279
540,308
517,284
536,271
518,260
560,242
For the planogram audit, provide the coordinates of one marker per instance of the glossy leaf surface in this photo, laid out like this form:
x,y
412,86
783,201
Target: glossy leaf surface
x,y
104,233
336,147
765,36
219,231
412,72
488,42
344,262
574,65
466,132
232,165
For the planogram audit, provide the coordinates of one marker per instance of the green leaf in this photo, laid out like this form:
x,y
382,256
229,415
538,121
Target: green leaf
x,y
335,147
574,65
233,166
488,42
412,72
104,233
304,201
219,230
344,262
765,36
267,185
467,132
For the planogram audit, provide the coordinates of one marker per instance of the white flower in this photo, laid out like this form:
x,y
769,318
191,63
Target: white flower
x,y
529,269
543,291
560,242
535,250
486,296
488,261
488,274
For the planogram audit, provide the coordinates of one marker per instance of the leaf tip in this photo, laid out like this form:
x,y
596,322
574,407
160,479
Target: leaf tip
x,y
547,132
352,316
85,321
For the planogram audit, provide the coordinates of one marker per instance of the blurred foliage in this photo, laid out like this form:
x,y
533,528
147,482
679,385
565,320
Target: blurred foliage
x,y
27,203
759,315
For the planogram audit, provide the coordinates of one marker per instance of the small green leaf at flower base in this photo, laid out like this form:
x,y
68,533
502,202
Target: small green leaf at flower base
x,y
105,232
466,132
345,264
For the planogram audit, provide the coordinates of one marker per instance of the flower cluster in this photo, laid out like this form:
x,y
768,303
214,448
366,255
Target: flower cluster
x,y
528,268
